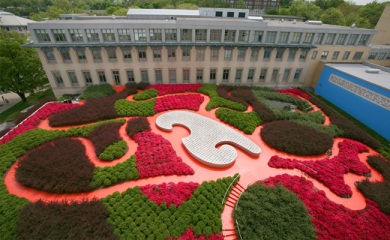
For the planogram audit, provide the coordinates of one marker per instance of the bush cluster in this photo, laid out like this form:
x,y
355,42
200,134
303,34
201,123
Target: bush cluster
x,y
139,86
97,91
57,167
239,95
40,103
182,101
114,151
85,220
104,135
131,108
264,212
217,101
107,176
276,96
145,95
164,89
378,191
246,122
137,125
294,138
331,129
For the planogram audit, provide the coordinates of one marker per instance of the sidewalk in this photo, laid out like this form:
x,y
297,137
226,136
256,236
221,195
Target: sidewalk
x,y
13,99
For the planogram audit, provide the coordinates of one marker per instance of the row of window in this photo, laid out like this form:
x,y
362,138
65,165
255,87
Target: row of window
x,y
335,56
198,35
273,75
379,56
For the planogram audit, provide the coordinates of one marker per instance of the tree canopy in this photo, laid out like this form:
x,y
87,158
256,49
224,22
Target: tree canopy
x,y
21,68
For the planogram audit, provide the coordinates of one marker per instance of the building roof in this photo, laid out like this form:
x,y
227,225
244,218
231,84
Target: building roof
x,y
381,79
9,19
163,12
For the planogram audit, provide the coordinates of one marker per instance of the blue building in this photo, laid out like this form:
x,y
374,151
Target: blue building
x,y
361,90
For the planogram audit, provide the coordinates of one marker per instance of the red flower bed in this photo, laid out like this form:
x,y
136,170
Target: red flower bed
x,y
330,171
34,120
188,101
294,92
334,221
170,193
190,235
164,89
155,156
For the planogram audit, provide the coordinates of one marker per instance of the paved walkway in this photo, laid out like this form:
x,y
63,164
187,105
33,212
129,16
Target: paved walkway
x,y
12,98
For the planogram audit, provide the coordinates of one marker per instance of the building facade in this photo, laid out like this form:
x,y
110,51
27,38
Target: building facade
x,y
208,45
11,22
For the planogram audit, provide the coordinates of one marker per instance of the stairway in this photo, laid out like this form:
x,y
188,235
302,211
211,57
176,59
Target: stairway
x,y
228,229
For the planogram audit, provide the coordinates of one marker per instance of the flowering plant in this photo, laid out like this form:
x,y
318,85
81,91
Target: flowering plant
x,y
187,101
164,89
190,235
294,92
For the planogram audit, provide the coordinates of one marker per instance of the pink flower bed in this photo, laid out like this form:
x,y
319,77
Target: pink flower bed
x,y
294,92
334,221
164,89
189,235
330,171
170,193
33,120
155,156
187,101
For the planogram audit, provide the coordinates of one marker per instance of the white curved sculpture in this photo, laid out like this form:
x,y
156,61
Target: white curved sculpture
x,y
206,134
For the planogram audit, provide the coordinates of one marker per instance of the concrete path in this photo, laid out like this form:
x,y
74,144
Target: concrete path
x,y
12,98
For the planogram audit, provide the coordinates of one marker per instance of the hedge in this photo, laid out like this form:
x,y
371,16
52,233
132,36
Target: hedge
x,y
137,125
331,129
114,151
145,95
217,101
130,108
97,91
105,135
246,122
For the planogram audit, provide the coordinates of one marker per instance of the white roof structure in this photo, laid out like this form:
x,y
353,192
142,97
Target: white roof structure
x,y
11,20
163,12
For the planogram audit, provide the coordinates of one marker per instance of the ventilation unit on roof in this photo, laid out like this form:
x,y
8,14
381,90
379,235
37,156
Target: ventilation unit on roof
x,y
372,70
313,22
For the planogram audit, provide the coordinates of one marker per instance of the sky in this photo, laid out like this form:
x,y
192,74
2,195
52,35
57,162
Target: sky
x,y
364,2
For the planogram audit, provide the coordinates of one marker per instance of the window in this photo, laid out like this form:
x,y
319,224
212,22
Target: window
x,y
108,35
186,75
243,35
283,37
185,53
130,76
346,55
73,79
225,75
297,74
102,77
291,54
42,35
381,56
199,54
274,76
215,35
335,55
372,55
213,75
296,37
124,35
76,35
142,55
144,76
341,39
364,40
87,78
157,54
97,56
324,54
352,39
330,38
127,54
111,52
230,14
92,35
308,38
59,35
200,35
258,36
320,38
314,55
254,54
238,75
241,54
65,55
230,35
388,56
186,35
58,79
241,15
218,14
271,37
251,73
172,75
140,35
263,74
228,55
286,74
158,74
267,54
117,79
155,35
199,75
279,54
171,54
214,54
170,35
81,55
357,55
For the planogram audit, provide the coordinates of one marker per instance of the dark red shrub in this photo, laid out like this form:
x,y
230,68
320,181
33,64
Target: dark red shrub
x,y
104,135
190,235
60,166
137,125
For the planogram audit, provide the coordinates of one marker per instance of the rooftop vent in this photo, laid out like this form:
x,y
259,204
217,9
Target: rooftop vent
x,y
372,70
313,22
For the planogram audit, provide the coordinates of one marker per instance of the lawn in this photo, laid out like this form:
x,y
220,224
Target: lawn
x,y
110,168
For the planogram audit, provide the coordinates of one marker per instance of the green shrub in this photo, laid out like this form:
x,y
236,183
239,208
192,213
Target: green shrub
x,y
331,129
217,101
130,108
97,91
302,105
315,117
246,122
114,151
145,95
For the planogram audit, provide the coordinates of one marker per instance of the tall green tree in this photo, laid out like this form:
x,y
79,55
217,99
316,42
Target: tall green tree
x,y
305,9
21,69
333,16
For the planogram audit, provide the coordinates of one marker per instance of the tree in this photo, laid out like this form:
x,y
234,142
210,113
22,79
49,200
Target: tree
x,y
305,9
21,69
241,4
333,16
